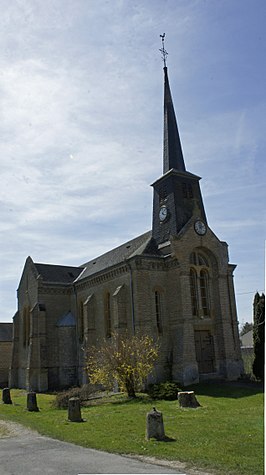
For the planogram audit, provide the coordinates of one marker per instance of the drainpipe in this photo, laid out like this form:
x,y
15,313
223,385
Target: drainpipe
x,y
132,297
77,337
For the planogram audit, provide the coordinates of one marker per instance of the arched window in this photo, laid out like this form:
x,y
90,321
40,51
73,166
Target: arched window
x,y
204,292
158,311
26,325
81,321
107,315
198,259
194,291
199,285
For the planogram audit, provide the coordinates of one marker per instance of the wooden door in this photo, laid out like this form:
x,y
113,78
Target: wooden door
x,y
204,351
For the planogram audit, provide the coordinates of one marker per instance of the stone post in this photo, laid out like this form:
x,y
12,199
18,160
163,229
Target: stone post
x,y
74,414
154,425
6,398
32,402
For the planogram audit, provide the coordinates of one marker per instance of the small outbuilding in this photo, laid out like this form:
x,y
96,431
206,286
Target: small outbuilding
x,y
247,343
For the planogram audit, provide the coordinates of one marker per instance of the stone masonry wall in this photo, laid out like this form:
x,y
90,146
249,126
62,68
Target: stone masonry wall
x,y
5,361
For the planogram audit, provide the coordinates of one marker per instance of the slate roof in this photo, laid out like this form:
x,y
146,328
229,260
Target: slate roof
x,y
68,320
172,152
142,244
6,331
58,274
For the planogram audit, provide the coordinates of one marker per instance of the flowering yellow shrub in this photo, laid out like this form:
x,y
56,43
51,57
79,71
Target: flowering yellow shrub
x,y
124,359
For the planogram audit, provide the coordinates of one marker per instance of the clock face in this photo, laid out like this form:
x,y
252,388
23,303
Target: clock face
x,y
200,227
163,213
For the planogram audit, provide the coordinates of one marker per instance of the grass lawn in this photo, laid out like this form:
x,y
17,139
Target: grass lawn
x,y
225,434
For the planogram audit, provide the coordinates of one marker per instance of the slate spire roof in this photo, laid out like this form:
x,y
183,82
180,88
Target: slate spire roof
x,y
172,150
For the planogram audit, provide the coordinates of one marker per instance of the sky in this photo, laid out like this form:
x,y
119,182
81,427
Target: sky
x,y
81,123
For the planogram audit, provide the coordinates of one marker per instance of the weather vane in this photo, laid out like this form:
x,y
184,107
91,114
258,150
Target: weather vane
x,y
163,50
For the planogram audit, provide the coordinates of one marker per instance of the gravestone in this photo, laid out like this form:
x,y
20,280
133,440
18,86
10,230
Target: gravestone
x,y
6,398
74,414
32,402
187,399
154,425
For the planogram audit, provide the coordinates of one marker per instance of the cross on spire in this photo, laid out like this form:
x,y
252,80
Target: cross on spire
x,y
163,50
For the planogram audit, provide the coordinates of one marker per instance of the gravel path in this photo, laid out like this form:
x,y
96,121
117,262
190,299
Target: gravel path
x,y
28,452
11,429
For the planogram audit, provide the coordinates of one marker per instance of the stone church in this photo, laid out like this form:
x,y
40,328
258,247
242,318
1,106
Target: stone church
x,y
173,282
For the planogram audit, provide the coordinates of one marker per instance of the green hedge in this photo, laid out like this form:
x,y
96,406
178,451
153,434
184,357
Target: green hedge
x,y
167,391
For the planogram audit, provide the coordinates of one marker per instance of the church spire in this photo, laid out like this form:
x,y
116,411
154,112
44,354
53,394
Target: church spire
x,y
172,150
177,196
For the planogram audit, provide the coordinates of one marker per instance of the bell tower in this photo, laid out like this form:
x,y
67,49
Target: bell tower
x,y
177,196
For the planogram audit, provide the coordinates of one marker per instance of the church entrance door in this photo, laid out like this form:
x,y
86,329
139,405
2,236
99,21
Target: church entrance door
x,y
204,351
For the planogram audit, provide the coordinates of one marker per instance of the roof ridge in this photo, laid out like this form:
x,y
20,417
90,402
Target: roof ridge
x,y
116,248
115,256
55,265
